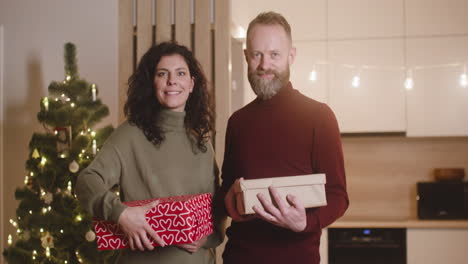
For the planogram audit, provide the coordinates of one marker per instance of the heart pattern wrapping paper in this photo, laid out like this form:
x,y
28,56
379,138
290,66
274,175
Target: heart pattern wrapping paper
x,y
177,220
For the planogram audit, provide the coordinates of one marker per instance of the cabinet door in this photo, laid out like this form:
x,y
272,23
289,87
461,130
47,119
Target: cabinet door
x,y
435,246
310,57
437,105
378,103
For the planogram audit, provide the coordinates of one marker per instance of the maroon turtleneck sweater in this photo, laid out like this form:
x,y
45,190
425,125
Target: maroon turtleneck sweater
x,y
289,134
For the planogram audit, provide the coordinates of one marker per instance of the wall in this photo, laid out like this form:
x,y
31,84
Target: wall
x,y
382,172
34,35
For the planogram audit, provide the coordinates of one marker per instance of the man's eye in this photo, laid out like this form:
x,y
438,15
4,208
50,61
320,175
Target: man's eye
x,y
275,54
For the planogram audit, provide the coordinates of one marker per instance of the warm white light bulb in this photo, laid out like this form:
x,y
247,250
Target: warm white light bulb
x,y
409,83
94,147
463,80
45,101
313,75
356,81
10,240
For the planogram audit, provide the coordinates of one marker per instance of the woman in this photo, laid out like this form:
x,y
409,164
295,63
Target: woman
x,y
163,149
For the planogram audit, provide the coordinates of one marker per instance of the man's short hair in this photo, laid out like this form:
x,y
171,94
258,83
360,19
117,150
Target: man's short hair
x,y
270,18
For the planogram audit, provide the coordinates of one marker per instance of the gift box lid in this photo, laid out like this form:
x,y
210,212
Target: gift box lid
x,y
288,181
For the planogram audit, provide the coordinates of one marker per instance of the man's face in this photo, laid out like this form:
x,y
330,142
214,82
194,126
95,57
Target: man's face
x,y
269,55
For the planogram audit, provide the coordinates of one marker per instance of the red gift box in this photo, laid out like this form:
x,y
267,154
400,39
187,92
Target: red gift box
x,y
177,220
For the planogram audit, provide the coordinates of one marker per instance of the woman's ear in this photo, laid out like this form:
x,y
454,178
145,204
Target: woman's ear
x,y
192,84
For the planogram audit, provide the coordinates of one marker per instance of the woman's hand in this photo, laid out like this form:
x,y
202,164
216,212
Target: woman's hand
x,y
193,247
133,223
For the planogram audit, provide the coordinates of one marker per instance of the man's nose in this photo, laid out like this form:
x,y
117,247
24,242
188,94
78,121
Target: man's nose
x,y
264,63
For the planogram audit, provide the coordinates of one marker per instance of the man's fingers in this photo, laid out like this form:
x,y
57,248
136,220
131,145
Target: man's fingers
x,y
294,202
155,237
264,215
230,203
276,199
267,205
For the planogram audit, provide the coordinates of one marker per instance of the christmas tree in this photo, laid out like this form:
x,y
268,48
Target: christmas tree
x,y
51,226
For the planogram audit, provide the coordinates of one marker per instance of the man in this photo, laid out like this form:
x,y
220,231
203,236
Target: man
x,y
280,133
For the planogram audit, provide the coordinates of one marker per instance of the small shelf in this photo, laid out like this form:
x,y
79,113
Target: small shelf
x,y
409,223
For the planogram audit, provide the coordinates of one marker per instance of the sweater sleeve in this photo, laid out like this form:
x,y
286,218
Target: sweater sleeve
x,y
327,157
94,184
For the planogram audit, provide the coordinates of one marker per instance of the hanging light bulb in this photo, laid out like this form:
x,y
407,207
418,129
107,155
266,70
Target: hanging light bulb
x,y
313,75
10,240
463,77
409,83
356,81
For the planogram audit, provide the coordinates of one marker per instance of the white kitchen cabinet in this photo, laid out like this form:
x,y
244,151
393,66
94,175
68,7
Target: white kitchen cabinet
x,y
308,58
378,103
437,105
436,246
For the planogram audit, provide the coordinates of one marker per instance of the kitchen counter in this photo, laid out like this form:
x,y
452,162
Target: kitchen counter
x,y
401,223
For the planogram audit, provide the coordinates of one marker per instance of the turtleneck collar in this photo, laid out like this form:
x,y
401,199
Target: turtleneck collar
x,y
279,97
171,120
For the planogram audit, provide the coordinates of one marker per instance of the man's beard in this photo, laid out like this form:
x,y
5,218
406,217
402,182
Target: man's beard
x,y
266,89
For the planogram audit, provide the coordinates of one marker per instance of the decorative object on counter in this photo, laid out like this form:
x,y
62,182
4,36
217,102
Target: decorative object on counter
x,y
449,174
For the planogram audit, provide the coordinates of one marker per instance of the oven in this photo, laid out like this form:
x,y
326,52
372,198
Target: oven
x,y
366,245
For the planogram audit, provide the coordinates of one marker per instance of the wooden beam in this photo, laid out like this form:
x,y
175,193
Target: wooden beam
x,y
163,20
125,59
182,22
144,27
222,73
203,40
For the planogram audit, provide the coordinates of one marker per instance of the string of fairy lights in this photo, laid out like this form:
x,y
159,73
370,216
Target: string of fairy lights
x,y
47,197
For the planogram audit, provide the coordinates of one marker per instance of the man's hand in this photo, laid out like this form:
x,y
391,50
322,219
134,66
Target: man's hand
x,y
291,216
230,204
134,225
193,247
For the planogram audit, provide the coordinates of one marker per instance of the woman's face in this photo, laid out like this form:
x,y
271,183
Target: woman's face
x,y
172,82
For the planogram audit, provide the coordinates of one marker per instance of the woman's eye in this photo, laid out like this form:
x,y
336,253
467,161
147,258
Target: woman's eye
x,y
181,73
161,74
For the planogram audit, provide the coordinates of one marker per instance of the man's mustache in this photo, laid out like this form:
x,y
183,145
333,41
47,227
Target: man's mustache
x,y
261,72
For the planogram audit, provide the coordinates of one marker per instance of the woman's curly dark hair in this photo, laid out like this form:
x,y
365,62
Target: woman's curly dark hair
x,y
143,108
